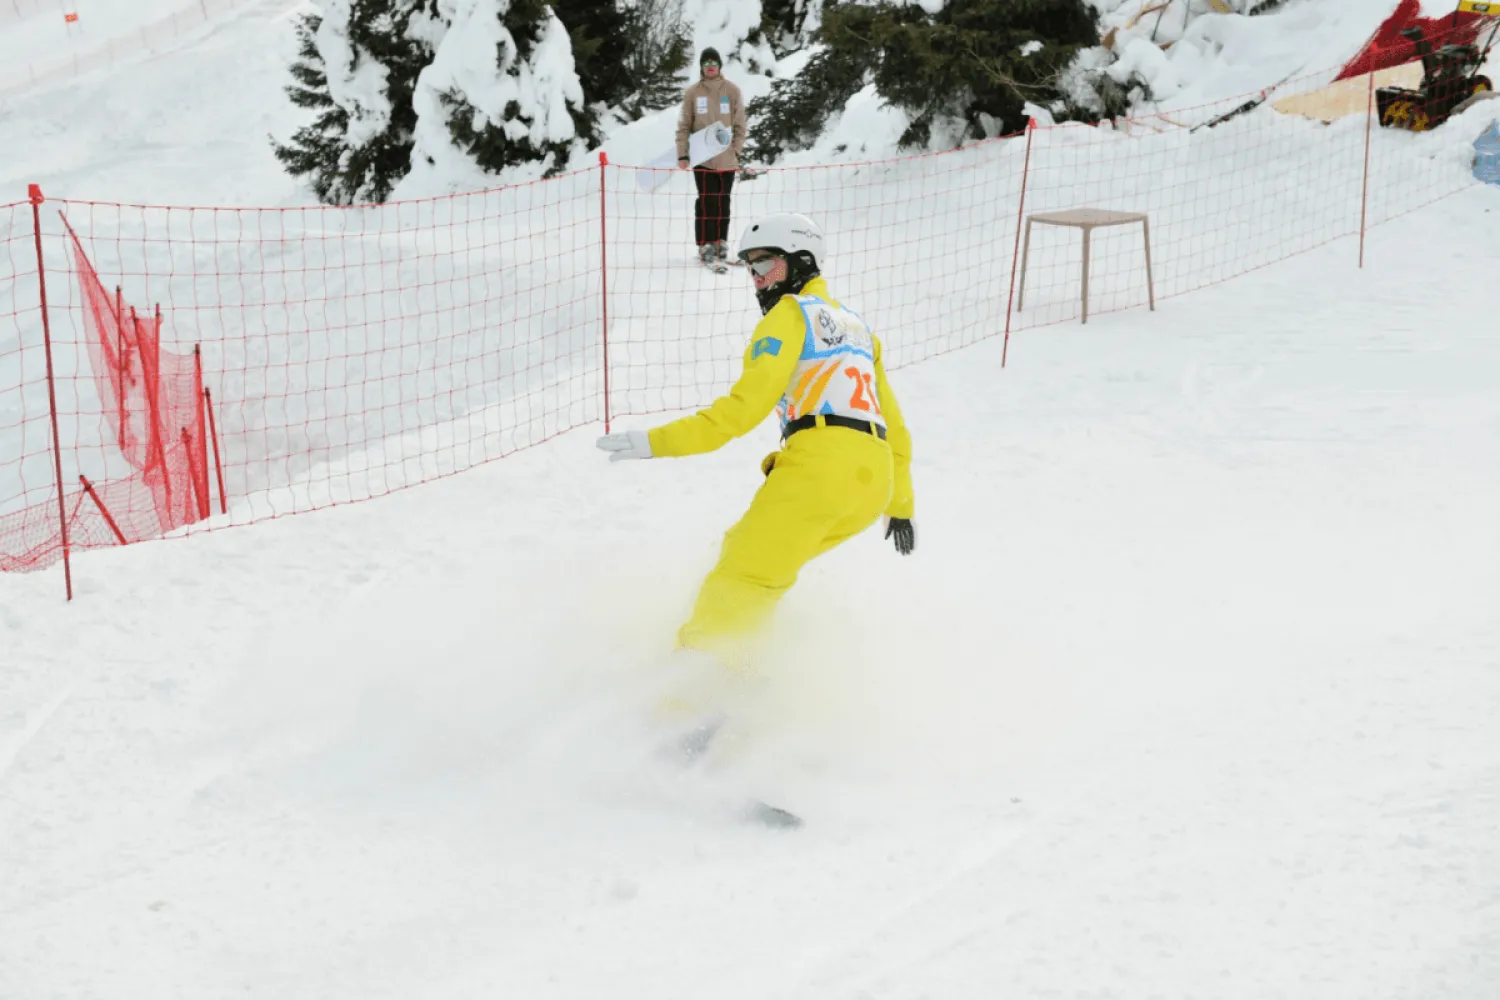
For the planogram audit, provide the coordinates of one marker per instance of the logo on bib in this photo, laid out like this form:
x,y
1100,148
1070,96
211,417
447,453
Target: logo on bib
x,y
828,329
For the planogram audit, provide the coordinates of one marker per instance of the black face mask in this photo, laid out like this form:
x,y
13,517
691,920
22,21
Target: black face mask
x,y
800,269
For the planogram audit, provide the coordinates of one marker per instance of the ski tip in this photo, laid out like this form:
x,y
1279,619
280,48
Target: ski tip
x,y
772,817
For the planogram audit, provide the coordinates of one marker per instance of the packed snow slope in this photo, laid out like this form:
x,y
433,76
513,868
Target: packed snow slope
x,y
1188,690
49,42
189,124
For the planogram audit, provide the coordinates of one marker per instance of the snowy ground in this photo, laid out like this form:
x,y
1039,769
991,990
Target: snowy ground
x,y
41,48
189,125
1188,691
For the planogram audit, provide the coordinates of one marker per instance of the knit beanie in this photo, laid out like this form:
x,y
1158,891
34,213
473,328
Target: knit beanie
x,y
710,53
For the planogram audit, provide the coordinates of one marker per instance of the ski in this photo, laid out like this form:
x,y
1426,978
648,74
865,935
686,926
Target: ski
x,y
713,264
687,752
773,817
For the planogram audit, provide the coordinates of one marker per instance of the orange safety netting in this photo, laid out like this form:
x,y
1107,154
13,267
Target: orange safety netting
x,y
1388,47
151,400
154,406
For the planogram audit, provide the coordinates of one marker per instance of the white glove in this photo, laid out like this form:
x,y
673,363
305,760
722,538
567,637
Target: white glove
x,y
631,444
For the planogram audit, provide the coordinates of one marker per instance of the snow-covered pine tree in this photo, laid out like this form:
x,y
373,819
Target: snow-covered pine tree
x,y
596,29
1144,46
975,60
959,69
501,91
786,24
796,111
628,53
656,52
571,70
357,65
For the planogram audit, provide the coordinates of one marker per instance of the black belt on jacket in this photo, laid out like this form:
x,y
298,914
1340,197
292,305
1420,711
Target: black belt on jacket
x,y
831,420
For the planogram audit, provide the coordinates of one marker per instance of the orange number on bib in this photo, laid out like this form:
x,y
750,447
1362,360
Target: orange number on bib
x,y
864,391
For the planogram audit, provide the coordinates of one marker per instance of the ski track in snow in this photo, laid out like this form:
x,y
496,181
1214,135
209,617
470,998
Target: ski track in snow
x,y
27,730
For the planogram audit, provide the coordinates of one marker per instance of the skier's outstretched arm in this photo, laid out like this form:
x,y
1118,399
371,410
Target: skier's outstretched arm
x,y
769,362
903,501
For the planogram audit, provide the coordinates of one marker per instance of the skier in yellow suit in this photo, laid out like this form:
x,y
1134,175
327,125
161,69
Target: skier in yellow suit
x,y
846,455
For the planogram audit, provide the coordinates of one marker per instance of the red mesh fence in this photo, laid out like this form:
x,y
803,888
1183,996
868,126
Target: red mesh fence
x,y
1215,202
903,235
1410,171
346,353
29,519
353,352
154,412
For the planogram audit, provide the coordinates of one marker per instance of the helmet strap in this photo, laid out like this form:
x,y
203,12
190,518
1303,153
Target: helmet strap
x,y
801,267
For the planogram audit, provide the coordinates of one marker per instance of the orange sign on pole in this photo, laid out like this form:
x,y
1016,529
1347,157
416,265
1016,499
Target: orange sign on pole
x,y
71,18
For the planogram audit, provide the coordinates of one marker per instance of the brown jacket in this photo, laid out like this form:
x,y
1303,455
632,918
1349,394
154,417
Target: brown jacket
x,y
704,103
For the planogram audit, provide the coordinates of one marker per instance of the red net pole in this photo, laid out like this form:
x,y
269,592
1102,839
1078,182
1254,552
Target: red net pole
x,y
604,276
35,193
88,488
120,359
156,447
199,464
1015,254
199,500
213,432
1364,195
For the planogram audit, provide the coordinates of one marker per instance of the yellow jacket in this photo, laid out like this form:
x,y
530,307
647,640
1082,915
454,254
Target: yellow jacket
x,y
770,360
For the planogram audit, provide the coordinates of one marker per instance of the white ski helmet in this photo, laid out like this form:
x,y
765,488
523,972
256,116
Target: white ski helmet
x,y
794,237
787,233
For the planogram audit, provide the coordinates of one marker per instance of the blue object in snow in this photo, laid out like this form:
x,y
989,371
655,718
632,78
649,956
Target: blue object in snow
x,y
1487,158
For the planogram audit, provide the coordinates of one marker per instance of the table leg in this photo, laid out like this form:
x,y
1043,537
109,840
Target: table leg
x,y
1025,257
1087,232
1150,282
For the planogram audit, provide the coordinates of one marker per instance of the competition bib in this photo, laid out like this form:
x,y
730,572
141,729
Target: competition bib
x,y
836,373
701,106
723,105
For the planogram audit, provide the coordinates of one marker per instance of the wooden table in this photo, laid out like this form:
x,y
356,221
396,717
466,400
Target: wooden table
x,y
1087,219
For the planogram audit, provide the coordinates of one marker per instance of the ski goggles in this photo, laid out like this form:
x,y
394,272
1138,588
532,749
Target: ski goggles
x,y
710,62
762,267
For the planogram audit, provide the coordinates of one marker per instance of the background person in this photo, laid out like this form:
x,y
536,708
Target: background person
x,y
712,99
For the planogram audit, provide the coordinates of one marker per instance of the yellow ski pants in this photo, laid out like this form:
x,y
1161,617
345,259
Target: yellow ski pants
x,y
827,485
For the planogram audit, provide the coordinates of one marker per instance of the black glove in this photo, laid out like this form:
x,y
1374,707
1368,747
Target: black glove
x,y
905,532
